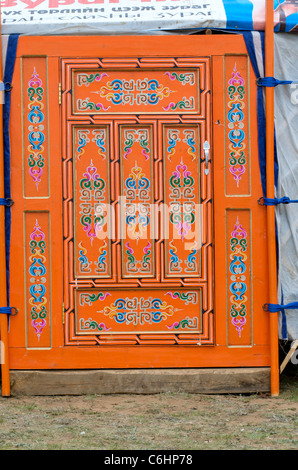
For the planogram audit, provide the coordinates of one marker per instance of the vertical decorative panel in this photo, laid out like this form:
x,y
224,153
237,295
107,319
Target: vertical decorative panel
x,y
137,227
182,198
38,279
237,126
239,277
35,128
91,190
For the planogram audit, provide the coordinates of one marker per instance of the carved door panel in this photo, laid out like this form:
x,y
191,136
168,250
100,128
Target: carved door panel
x,y
137,202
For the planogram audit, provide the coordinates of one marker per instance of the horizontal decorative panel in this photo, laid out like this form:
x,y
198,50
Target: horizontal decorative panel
x,y
133,311
135,91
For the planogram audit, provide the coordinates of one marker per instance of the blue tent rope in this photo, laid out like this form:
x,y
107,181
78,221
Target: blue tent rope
x,y
273,82
8,310
6,201
264,201
278,307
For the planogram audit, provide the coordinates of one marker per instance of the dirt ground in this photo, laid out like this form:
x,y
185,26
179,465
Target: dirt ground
x,y
152,422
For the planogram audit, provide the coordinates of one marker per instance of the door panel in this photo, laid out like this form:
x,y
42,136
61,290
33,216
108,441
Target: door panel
x,y
137,207
182,188
92,251
149,229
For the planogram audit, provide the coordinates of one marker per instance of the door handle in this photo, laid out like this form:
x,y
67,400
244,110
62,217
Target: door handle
x,y
206,148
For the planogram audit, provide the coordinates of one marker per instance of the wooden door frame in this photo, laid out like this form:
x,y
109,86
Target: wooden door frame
x,y
56,355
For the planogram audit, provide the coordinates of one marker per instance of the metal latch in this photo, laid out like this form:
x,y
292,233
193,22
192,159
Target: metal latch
x,y
206,148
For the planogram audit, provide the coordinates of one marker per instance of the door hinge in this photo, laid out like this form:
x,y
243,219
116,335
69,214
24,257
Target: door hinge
x,y
63,314
60,93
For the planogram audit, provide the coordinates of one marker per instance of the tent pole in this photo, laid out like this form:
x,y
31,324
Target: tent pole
x,y
5,376
272,263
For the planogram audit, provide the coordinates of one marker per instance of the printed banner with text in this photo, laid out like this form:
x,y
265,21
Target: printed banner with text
x,y
35,17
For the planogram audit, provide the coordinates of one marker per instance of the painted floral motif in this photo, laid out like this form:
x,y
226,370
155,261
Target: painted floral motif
x,y
184,78
100,263
186,103
186,323
236,135
238,286
175,261
92,325
85,298
138,266
190,297
191,261
100,138
84,266
36,134
136,135
38,271
189,138
83,139
173,138
86,79
92,188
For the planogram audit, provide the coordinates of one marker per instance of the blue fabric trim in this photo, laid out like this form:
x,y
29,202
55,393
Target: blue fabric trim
x,y
284,329
6,310
279,307
6,202
8,73
248,38
274,202
272,82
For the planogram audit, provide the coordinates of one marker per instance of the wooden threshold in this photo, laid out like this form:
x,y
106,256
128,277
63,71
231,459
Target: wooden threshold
x,y
140,381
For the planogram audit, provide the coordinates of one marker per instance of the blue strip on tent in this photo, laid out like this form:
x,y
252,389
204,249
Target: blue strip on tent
x,y
8,73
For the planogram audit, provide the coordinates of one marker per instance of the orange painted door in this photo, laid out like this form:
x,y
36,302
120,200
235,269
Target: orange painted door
x,y
136,237
138,191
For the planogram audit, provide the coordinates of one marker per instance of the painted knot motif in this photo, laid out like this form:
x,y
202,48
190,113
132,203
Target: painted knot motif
x,y
36,134
123,92
238,286
182,207
38,271
92,188
138,311
236,135
137,190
